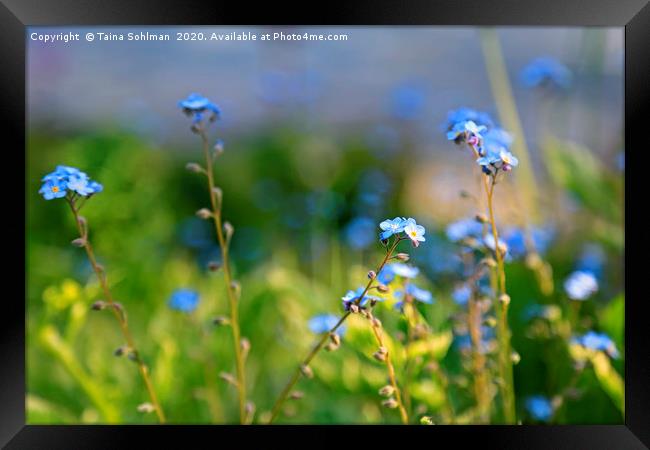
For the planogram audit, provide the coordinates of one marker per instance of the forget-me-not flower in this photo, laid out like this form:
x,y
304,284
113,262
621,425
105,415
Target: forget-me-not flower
x,y
597,341
463,229
466,114
414,292
196,105
184,300
546,71
390,227
461,294
414,232
540,408
581,285
352,296
66,179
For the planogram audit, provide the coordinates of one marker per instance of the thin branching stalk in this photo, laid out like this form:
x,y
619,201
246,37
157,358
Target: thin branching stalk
x,y
377,331
230,286
117,309
277,407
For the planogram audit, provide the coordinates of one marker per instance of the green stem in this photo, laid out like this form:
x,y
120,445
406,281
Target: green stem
x,y
119,316
277,407
232,298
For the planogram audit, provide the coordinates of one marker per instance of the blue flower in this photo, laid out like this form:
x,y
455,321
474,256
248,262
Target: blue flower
x,y
185,300
414,232
56,184
466,131
462,294
497,158
388,273
463,229
466,114
540,408
581,285
352,296
546,72
592,259
515,238
414,292
195,105
391,227
322,323
359,233
597,341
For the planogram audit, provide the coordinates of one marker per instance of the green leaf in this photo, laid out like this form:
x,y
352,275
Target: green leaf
x,y
612,319
609,379
435,345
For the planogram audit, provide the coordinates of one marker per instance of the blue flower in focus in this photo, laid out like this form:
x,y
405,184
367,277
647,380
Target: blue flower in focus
x,y
581,285
359,233
390,227
497,158
414,292
546,71
352,296
184,300
463,229
597,341
466,114
53,189
461,295
414,232
196,105
322,323
540,408
462,131
56,184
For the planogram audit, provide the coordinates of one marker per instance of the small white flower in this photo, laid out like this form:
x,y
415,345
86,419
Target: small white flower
x,y
414,232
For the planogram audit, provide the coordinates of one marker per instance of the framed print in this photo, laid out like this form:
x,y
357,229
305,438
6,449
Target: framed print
x,y
367,221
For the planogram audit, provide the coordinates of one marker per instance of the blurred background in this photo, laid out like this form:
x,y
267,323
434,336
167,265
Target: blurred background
x,y
322,140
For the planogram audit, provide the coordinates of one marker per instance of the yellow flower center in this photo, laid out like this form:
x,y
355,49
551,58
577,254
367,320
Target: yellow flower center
x,y
413,233
55,189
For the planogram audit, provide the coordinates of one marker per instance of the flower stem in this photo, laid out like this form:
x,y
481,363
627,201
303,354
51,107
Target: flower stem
x,y
391,370
232,297
505,359
321,343
119,316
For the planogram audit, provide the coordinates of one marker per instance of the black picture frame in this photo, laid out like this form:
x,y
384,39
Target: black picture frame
x,y
16,15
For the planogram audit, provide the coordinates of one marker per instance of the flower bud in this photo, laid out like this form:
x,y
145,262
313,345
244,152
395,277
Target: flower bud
x,y
228,229
218,193
335,338
491,322
489,262
331,347
381,357
426,420
376,322
99,305
221,320
204,213
296,395
504,299
194,167
481,218
386,391
213,266
383,288
354,308
306,371
218,148
372,275
236,288
390,403
228,378
146,408
515,357
403,256
79,242
245,346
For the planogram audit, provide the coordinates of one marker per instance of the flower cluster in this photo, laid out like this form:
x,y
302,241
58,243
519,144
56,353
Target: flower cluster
x,y
66,180
581,285
399,225
491,144
597,341
196,106
184,300
546,72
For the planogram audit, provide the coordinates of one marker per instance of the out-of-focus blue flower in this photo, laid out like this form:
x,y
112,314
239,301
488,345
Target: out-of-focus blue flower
x,y
415,292
322,323
462,115
597,341
462,294
464,341
360,232
403,270
539,407
352,296
414,232
546,71
390,227
65,178
581,285
620,161
463,131
492,161
548,312
463,229
515,238
592,259
497,137
407,101
196,105
184,300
